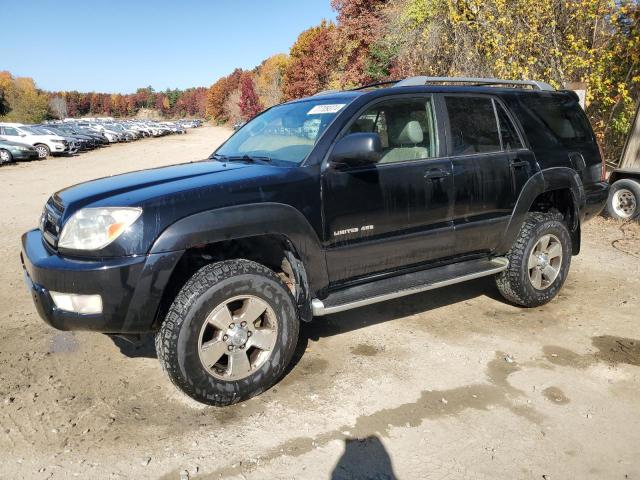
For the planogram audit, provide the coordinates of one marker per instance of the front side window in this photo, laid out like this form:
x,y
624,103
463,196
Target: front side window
x,y
285,133
406,128
473,125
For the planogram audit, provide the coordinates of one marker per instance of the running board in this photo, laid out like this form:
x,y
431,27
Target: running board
x,y
407,284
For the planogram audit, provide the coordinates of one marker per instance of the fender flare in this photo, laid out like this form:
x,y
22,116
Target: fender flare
x,y
250,220
550,179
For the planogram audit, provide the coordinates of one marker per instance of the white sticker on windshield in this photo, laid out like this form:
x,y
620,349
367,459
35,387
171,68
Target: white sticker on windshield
x,y
320,109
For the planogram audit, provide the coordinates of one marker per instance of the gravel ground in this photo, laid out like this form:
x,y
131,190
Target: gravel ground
x,y
453,383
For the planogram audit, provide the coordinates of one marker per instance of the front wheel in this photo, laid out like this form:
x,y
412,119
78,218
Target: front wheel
x,y
539,261
43,151
230,333
5,156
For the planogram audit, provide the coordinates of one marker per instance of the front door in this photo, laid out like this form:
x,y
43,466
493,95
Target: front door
x,y
397,212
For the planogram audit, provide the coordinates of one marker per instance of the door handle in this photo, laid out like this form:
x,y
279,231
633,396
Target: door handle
x,y
519,163
435,173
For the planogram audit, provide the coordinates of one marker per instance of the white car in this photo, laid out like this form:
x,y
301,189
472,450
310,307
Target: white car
x,y
45,144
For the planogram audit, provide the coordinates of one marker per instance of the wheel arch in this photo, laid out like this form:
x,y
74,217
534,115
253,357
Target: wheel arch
x,y
275,235
558,188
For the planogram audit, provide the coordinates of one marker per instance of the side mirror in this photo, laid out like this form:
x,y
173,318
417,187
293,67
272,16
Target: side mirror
x,y
356,149
23,134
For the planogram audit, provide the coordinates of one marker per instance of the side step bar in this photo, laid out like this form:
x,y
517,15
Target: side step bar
x,y
407,284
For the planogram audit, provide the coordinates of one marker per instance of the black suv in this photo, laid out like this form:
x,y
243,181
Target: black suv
x,y
317,206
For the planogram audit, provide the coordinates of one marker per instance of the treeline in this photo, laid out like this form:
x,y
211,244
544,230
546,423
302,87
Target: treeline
x,y
596,42
22,101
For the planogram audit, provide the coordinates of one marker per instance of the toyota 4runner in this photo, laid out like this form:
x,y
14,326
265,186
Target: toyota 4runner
x,y
317,206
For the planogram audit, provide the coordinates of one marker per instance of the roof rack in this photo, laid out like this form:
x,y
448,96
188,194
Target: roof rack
x,y
415,81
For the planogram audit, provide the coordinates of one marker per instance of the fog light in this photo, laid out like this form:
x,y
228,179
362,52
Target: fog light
x,y
71,302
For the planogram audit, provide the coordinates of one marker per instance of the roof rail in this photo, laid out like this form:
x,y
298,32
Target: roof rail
x,y
325,92
376,84
414,81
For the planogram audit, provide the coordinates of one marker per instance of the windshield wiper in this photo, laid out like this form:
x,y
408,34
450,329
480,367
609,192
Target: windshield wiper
x,y
248,158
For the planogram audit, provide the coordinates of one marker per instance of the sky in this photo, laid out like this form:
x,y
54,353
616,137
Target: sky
x,y
116,46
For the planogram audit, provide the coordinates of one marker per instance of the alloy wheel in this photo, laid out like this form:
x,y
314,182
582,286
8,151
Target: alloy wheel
x,y
42,151
237,337
545,261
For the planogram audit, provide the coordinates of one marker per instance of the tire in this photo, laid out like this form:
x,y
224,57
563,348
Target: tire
x,y
624,200
196,327
5,156
532,287
43,151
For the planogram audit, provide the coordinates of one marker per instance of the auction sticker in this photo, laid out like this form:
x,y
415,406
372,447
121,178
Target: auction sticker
x,y
320,109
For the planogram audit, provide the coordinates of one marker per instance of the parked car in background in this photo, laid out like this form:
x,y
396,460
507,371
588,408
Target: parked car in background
x,y
16,152
45,144
77,135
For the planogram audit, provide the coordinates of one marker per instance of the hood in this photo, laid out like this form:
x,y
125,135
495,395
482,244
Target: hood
x,y
46,136
135,188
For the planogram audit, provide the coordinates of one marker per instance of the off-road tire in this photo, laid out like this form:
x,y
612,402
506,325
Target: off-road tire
x,y
5,156
514,283
177,341
43,151
632,187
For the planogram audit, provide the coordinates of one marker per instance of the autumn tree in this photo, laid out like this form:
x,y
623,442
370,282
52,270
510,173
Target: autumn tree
x,y
249,102
358,29
22,100
557,41
311,62
58,106
231,107
269,79
218,94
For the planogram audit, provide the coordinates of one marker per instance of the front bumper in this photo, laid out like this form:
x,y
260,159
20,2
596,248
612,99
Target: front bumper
x,y
596,195
131,287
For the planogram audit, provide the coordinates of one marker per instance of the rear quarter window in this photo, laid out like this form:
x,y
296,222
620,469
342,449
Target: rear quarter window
x,y
562,116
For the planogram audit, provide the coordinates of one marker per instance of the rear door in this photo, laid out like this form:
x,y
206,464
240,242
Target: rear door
x,y
397,212
490,167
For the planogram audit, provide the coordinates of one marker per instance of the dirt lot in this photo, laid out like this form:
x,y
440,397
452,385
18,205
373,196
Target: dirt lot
x,y
453,383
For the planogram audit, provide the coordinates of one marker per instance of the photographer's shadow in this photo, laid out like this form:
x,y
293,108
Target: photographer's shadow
x,y
364,459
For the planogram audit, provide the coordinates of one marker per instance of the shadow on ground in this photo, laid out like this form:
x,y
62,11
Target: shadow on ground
x,y
364,459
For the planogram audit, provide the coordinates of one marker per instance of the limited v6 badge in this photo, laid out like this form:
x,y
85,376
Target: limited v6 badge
x,y
348,231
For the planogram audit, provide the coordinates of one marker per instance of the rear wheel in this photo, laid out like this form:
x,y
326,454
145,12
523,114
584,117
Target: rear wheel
x,y
230,333
539,261
5,156
43,151
624,200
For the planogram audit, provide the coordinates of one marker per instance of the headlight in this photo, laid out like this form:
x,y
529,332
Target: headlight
x,y
95,228
58,141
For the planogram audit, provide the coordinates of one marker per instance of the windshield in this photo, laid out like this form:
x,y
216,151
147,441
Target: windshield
x,y
285,133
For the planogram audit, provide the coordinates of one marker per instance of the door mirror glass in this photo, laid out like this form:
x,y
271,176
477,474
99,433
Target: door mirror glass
x,y
356,149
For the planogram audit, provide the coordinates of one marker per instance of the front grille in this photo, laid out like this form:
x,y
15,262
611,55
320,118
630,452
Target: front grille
x,y
50,222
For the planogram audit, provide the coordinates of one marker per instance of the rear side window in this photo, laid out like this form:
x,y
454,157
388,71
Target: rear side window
x,y
473,125
10,131
562,115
